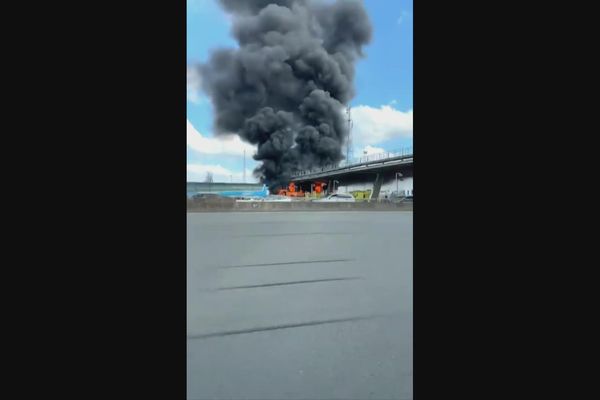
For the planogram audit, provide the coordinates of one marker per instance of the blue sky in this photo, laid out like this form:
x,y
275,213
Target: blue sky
x,y
381,109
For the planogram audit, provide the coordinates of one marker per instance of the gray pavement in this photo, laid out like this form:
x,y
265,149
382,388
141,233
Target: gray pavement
x,y
299,305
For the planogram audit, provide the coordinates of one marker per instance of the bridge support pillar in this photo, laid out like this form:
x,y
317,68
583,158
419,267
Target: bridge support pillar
x,y
376,187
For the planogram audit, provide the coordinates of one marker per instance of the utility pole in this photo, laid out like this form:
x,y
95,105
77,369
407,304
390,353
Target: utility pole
x,y
349,141
209,180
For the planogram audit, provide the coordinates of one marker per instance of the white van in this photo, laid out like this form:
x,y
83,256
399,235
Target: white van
x,y
338,197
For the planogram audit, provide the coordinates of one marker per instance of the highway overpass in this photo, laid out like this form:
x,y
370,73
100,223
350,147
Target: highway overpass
x,y
390,169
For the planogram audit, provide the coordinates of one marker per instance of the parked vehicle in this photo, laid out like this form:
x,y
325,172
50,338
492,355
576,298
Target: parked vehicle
x,y
337,197
400,197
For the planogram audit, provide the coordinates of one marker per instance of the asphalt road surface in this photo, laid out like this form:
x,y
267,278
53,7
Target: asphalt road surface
x,y
299,305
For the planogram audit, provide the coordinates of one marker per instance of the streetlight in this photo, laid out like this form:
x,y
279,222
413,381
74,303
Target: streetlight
x,y
398,174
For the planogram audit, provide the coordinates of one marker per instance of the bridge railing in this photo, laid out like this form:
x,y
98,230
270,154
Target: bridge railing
x,y
404,152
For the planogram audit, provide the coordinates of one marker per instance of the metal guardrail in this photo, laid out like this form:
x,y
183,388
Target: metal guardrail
x,y
405,152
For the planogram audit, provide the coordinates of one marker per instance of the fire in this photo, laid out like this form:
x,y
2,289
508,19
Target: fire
x,y
295,191
291,191
319,187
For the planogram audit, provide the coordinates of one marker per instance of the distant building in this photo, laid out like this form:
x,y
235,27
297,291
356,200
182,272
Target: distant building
x,y
214,187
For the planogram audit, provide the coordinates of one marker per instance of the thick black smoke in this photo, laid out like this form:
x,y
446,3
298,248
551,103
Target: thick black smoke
x,y
286,85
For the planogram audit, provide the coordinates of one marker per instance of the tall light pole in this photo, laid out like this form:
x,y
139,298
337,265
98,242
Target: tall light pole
x,y
349,141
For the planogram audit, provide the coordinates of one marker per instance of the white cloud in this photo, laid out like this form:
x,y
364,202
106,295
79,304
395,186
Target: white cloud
x,y
373,125
372,150
197,173
194,93
226,145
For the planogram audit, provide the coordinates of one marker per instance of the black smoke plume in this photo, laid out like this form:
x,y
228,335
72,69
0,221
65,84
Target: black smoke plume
x,y
285,87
